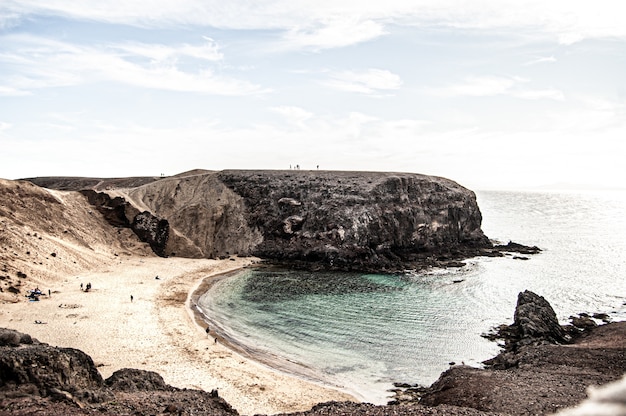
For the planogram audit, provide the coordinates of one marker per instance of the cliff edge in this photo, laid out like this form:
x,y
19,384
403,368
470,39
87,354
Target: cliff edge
x,y
313,219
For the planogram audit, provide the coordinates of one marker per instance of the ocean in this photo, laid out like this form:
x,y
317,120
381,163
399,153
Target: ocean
x,y
362,332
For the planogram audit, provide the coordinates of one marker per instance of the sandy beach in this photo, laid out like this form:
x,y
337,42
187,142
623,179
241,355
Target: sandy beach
x,y
156,330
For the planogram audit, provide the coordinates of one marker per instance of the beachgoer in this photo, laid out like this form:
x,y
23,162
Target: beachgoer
x,y
131,298
81,286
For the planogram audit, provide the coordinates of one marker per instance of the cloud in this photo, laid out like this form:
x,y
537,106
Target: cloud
x,y
209,51
487,86
43,63
320,24
295,115
333,33
11,91
370,81
541,60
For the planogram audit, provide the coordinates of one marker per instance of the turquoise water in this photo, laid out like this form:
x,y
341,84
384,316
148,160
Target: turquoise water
x,y
361,332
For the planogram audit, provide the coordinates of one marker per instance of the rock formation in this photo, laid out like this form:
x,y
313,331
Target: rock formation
x,y
363,220
535,323
36,378
315,219
119,213
536,373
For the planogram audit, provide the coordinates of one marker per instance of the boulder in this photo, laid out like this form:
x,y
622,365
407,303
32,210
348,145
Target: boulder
x,y
535,321
27,365
133,380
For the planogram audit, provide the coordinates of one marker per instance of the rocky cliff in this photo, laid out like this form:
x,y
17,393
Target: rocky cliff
x,y
357,219
342,220
313,219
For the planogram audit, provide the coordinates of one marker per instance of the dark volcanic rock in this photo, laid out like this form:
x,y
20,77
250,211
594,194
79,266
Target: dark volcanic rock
x,y
152,230
535,322
536,374
518,248
120,213
116,211
358,220
131,380
36,378
33,366
12,338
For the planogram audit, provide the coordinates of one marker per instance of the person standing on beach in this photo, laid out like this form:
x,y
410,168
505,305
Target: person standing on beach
x,y
131,298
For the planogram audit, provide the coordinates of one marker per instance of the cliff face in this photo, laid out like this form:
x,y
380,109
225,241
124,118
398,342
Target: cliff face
x,y
337,220
342,220
357,219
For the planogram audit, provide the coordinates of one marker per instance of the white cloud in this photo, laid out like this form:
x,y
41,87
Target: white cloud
x,y
486,86
548,93
293,114
332,33
592,116
12,91
541,60
322,24
42,63
209,51
366,82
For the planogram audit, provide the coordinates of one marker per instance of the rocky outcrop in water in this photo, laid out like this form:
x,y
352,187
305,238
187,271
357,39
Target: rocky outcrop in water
x,y
535,323
536,373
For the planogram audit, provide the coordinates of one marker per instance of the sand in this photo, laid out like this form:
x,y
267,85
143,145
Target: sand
x,y
157,331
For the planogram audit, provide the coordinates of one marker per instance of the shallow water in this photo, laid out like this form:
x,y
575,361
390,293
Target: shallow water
x,y
362,332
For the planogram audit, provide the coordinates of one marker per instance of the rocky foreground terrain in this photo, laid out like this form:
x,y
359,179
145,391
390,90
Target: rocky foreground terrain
x,y
544,368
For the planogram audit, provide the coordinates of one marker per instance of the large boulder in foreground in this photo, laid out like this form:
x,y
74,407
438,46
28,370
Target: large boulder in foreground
x,y
36,378
29,366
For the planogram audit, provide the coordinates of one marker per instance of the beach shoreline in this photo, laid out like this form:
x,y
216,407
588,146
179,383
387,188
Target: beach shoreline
x,y
265,358
158,330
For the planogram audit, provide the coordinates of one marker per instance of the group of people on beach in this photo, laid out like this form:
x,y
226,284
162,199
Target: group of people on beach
x,y
33,294
87,287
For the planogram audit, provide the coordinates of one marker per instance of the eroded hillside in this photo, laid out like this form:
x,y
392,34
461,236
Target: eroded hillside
x,y
47,235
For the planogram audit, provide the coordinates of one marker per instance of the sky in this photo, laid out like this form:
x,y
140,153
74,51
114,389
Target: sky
x,y
494,94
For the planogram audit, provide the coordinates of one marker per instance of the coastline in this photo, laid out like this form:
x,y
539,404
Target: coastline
x,y
157,331
267,359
